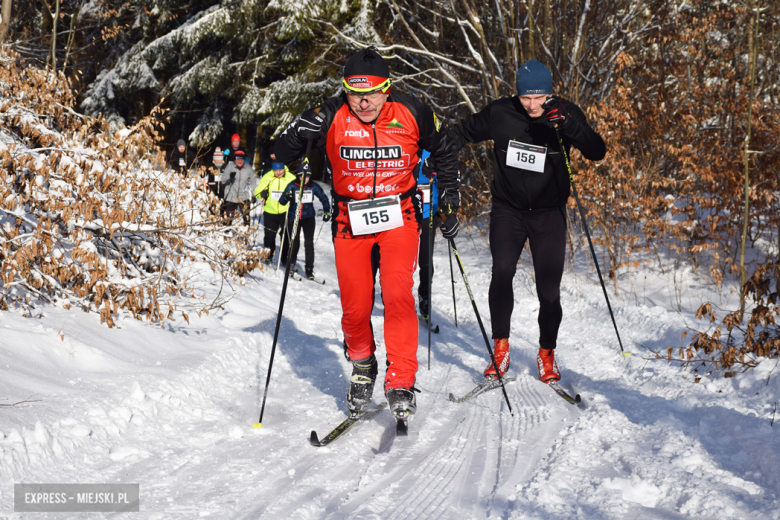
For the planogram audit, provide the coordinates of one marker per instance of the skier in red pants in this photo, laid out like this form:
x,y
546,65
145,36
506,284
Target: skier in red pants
x,y
372,138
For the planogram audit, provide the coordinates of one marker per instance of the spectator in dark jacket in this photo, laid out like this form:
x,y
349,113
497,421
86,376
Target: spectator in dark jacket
x,y
230,153
181,158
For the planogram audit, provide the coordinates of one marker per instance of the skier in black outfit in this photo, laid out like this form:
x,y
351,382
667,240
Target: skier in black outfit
x,y
530,189
307,220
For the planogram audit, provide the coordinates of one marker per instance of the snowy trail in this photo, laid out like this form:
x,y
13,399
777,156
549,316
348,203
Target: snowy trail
x,y
171,408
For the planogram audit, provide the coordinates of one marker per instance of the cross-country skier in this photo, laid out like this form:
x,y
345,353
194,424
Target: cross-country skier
x,y
270,188
426,180
307,221
530,189
371,137
240,181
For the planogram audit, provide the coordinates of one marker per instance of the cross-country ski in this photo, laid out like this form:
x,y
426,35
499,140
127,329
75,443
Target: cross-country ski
x,y
481,388
349,424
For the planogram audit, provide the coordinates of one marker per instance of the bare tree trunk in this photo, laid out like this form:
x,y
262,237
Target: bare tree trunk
x,y
54,36
74,20
752,45
5,12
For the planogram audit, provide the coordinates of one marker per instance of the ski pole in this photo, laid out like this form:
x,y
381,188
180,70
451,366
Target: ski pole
x,y
590,242
322,224
430,277
424,154
452,277
281,242
259,423
482,327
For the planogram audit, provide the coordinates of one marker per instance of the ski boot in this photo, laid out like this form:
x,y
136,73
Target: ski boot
x,y
548,368
361,387
501,353
424,308
309,274
402,404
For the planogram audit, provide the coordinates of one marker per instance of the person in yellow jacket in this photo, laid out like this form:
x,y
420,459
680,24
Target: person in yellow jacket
x,y
270,189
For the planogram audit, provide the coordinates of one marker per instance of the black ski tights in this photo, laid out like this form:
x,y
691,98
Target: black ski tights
x,y
545,231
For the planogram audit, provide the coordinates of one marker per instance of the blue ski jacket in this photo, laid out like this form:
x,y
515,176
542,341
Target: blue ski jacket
x,y
291,195
422,179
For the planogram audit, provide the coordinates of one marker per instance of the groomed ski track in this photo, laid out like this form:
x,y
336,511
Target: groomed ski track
x,y
172,408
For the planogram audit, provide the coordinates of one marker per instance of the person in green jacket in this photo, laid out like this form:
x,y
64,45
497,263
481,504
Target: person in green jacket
x,y
270,189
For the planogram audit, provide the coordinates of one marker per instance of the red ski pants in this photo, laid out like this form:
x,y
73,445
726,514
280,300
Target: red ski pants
x,y
398,250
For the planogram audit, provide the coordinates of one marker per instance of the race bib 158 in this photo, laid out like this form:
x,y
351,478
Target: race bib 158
x,y
526,156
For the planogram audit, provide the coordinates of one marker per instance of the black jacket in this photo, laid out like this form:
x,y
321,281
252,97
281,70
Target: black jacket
x,y
182,161
506,119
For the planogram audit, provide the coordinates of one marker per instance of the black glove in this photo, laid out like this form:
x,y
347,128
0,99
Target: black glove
x,y
309,125
232,177
450,226
555,113
264,194
449,200
326,217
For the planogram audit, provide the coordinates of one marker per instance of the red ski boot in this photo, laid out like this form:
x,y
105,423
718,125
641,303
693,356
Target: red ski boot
x,y
548,368
501,352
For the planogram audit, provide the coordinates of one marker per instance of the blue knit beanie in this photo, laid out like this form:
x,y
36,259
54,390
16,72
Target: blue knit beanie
x,y
533,78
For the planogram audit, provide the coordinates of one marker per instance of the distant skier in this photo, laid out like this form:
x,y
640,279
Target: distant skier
x,y
426,181
307,222
240,181
182,159
530,189
371,138
270,188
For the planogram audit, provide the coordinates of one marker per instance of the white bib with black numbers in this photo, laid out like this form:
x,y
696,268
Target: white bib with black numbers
x,y
276,195
308,196
526,156
376,215
181,161
426,192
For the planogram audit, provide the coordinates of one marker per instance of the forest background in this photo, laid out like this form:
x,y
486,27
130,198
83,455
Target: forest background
x,y
685,93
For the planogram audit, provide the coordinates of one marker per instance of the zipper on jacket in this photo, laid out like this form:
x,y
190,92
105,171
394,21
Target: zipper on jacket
x,y
376,152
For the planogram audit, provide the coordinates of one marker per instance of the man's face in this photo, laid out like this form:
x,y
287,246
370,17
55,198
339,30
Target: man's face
x,y
533,104
279,173
366,106
182,148
273,156
240,162
235,143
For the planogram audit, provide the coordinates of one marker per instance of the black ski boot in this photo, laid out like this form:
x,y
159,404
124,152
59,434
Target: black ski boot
x,y
361,387
424,308
309,274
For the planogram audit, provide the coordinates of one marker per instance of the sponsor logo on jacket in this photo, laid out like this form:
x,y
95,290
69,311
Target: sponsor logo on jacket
x,y
356,133
363,157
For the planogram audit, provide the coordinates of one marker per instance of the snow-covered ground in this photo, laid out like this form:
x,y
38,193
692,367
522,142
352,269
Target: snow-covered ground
x,y
171,408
